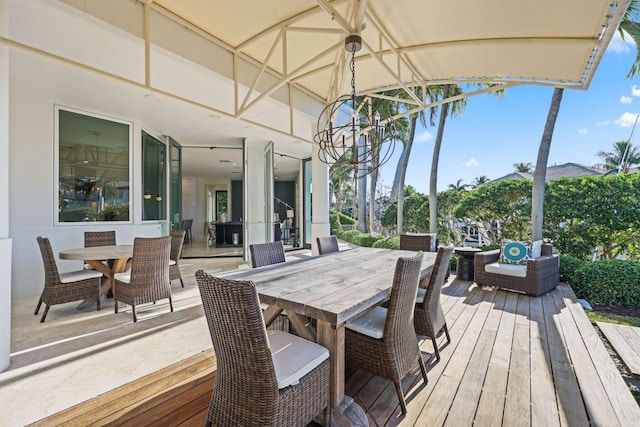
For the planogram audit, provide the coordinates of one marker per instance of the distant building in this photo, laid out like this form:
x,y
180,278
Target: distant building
x,y
567,170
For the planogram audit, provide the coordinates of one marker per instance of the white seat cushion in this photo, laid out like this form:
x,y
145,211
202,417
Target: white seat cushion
x,y
172,262
370,323
294,357
422,292
74,276
123,277
515,270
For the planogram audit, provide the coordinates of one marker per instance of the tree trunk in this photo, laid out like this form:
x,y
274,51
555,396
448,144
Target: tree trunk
x,y
433,181
403,173
396,177
537,197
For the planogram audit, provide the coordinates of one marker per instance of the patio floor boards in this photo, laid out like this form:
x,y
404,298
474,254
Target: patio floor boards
x,y
513,360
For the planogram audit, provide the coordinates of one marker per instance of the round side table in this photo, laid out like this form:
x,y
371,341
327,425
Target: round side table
x,y
465,262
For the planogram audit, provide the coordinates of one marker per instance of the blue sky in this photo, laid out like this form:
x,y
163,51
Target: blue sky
x,y
493,134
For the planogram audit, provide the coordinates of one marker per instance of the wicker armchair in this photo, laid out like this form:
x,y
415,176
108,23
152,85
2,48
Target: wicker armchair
x,y
177,240
418,242
264,378
148,280
428,317
327,244
382,341
211,233
266,253
65,287
542,273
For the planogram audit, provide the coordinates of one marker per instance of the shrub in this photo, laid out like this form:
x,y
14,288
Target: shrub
x,y
607,282
388,243
366,240
334,222
345,219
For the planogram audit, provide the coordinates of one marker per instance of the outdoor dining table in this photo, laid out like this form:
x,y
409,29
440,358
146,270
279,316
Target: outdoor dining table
x,y
94,256
332,289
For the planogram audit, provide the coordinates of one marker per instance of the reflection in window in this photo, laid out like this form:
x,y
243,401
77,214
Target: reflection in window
x,y
222,206
154,178
93,168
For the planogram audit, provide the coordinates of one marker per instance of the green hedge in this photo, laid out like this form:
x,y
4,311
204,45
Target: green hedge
x,y
388,243
607,282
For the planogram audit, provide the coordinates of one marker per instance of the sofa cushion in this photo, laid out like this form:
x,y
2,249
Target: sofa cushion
x,y
513,252
515,270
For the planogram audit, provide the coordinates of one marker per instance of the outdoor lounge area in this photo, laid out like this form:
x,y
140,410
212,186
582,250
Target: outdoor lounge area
x,y
513,360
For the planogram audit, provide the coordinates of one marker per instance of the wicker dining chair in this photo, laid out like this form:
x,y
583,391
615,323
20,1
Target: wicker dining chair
x,y
428,318
418,242
327,244
263,378
177,241
382,341
148,279
266,253
65,287
99,238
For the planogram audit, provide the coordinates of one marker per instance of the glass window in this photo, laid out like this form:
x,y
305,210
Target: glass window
x,y
222,206
93,168
154,178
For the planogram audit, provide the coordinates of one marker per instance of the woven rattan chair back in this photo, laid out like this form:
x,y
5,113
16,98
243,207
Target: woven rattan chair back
x,y
394,355
416,242
327,244
149,280
56,292
429,318
246,388
99,238
266,253
177,241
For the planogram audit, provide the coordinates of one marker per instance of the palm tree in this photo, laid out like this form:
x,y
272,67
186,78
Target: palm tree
x,y
523,167
622,158
456,108
479,180
458,186
537,196
432,93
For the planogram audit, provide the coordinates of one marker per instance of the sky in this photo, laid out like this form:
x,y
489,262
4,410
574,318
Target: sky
x,y
492,133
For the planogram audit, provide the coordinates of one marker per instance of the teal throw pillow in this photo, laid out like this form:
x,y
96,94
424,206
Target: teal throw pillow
x,y
515,252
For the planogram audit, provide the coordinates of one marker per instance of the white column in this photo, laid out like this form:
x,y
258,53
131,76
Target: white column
x,y
5,241
319,199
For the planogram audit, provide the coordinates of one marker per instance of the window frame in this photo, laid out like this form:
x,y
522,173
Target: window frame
x,y
56,167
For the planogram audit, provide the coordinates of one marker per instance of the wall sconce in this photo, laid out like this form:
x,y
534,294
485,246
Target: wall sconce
x,y
159,198
147,195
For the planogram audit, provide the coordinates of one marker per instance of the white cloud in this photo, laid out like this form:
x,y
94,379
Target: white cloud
x,y
423,137
626,120
471,163
626,99
583,131
603,123
635,90
620,46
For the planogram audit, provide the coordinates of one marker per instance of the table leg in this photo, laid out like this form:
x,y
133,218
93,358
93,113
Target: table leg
x,y
344,410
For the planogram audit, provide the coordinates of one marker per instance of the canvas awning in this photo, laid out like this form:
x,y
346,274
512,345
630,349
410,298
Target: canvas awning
x,y
406,43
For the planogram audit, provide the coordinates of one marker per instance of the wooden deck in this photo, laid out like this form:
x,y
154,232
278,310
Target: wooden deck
x,y
626,342
513,360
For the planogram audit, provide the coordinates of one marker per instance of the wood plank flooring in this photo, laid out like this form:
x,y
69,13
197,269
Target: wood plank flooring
x,y
513,360
626,341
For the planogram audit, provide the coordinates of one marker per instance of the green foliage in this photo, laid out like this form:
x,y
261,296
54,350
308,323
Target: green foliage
x,y
345,219
388,243
585,212
415,214
507,201
334,222
366,239
606,282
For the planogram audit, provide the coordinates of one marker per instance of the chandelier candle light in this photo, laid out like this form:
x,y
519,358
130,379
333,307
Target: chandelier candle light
x,y
351,130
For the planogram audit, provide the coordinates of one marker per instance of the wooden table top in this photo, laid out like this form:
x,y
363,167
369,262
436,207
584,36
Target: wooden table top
x,y
98,252
333,287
